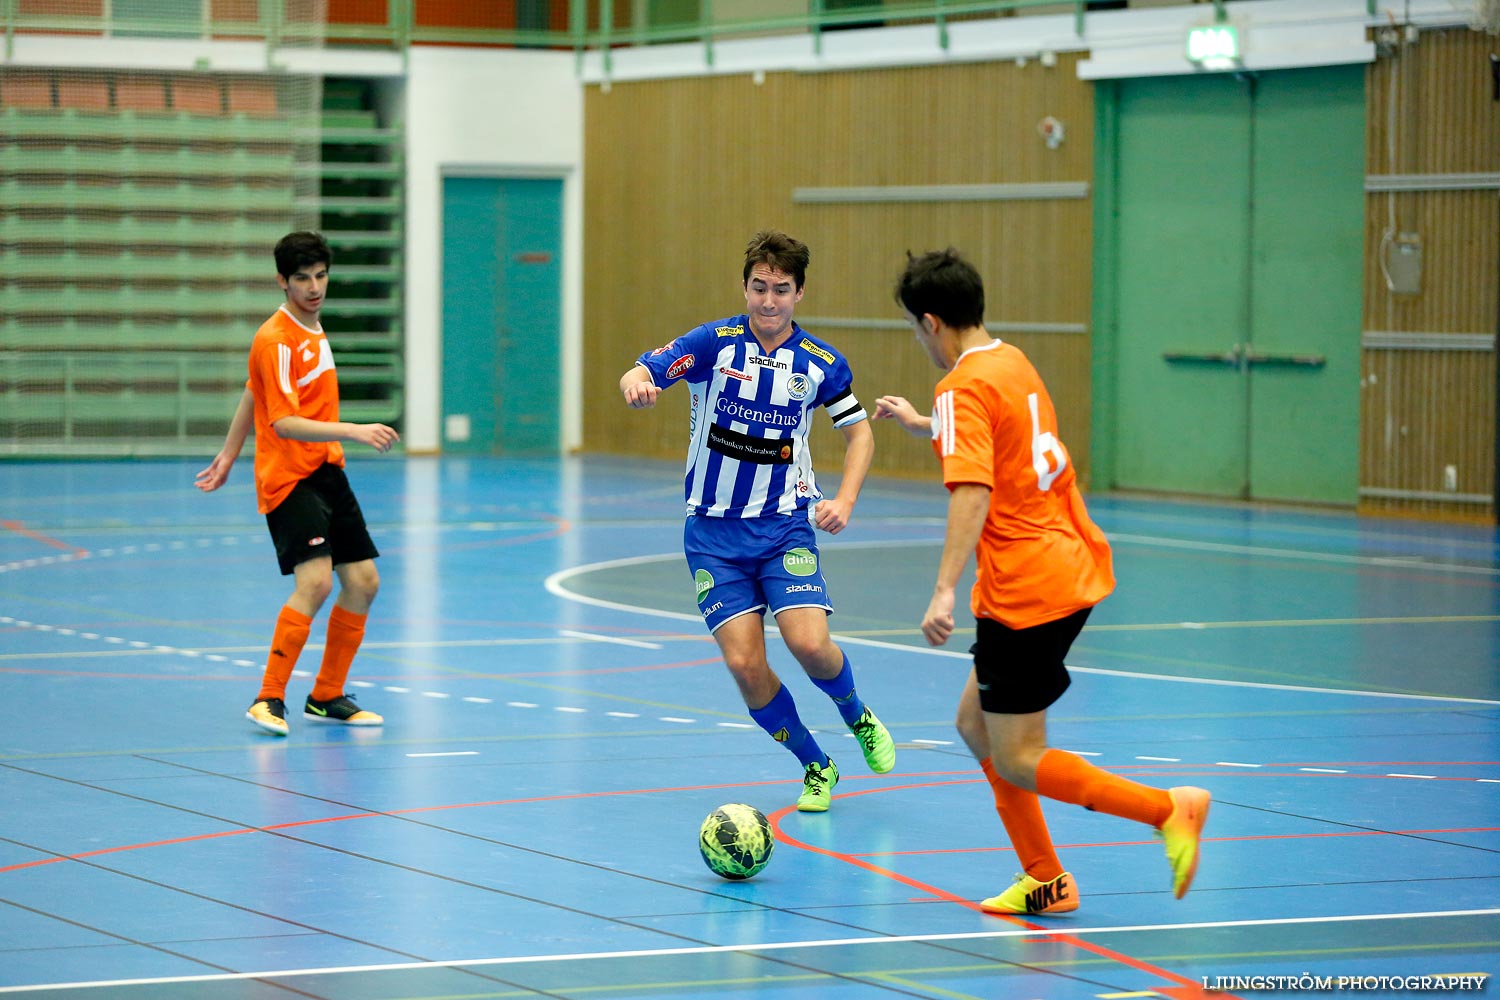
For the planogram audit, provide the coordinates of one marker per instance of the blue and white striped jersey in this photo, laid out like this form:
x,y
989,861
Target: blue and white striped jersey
x,y
750,413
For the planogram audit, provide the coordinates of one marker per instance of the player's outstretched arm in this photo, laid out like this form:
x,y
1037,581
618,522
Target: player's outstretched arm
x,y
639,390
217,473
899,408
377,436
833,515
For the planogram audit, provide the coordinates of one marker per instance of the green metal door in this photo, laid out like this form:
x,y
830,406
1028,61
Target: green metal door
x,y
502,314
1307,274
1184,169
1236,275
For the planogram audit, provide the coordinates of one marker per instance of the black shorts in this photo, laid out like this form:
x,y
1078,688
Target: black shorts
x,y
320,517
1021,670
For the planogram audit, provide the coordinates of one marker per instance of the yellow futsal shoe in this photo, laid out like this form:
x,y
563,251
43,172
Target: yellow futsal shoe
x,y
1182,831
340,709
269,714
817,788
1027,895
875,741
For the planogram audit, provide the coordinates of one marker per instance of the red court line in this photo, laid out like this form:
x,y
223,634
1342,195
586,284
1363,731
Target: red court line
x,y
375,815
21,529
1184,988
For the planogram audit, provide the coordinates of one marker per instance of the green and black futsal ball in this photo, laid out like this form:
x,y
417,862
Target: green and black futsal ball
x,y
735,841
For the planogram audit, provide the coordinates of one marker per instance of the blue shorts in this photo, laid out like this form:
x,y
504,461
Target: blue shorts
x,y
742,564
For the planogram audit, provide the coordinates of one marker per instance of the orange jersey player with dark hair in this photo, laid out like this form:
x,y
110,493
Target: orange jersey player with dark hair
x,y
1042,566
292,397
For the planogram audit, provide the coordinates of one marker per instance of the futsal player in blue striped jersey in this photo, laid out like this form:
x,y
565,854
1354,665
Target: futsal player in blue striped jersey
x,y
752,502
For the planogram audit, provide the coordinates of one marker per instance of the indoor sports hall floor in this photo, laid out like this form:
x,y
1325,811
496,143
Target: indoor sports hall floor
x,y
558,724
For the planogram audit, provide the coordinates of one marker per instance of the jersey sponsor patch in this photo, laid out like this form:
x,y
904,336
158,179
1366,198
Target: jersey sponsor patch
x,y
663,349
815,350
766,361
726,370
679,366
756,451
728,331
800,562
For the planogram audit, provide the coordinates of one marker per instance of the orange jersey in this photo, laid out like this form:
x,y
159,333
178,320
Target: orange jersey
x,y
1040,557
291,374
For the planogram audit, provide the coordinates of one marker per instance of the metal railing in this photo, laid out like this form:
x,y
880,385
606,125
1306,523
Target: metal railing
x,y
591,24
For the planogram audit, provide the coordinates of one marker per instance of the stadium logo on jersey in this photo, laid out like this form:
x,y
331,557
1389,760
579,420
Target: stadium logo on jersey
x,y
726,370
804,588
663,349
679,366
704,581
815,350
800,562
798,386
766,361
728,331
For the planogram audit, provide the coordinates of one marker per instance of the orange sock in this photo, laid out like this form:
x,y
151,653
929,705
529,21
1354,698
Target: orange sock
x,y
292,628
1069,778
346,630
1021,812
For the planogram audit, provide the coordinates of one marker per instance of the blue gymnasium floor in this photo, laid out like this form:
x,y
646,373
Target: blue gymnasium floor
x,y
558,723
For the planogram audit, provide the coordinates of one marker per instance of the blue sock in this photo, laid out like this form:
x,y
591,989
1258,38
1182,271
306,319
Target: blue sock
x,y
841,690
779,718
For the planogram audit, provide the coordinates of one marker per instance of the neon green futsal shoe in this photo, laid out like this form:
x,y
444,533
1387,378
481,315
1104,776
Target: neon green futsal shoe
x,y
817,788
1028,895
1182,831
875,740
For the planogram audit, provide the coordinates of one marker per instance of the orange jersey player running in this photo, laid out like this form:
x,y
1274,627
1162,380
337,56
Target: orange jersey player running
x,y
1042,566
313,516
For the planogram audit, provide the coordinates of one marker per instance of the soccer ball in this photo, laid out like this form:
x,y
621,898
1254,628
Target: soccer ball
x,y
735,841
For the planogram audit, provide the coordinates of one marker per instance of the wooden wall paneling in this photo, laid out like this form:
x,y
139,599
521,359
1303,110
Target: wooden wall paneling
x,y
1431,113
679,173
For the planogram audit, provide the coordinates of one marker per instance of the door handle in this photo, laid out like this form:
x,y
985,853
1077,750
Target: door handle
x,y
1240,357
1281,360
1233,358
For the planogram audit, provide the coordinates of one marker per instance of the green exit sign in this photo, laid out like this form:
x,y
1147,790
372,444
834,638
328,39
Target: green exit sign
x,y
1214,47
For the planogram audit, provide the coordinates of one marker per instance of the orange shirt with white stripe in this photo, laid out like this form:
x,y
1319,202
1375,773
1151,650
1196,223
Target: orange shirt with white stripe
x,y
1040,556
291,374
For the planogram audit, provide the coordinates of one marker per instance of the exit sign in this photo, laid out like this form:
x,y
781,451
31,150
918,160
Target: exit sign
x,y
1214,47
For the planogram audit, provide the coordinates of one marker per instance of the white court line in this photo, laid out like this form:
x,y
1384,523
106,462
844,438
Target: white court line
x,y
608,638
777,946
447,753
554,585
1402,562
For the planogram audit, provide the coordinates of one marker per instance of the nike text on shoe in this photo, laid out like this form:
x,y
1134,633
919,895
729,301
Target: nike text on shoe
x,y
817,788
269,714
875,740
1027,895
340,709
1181,833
